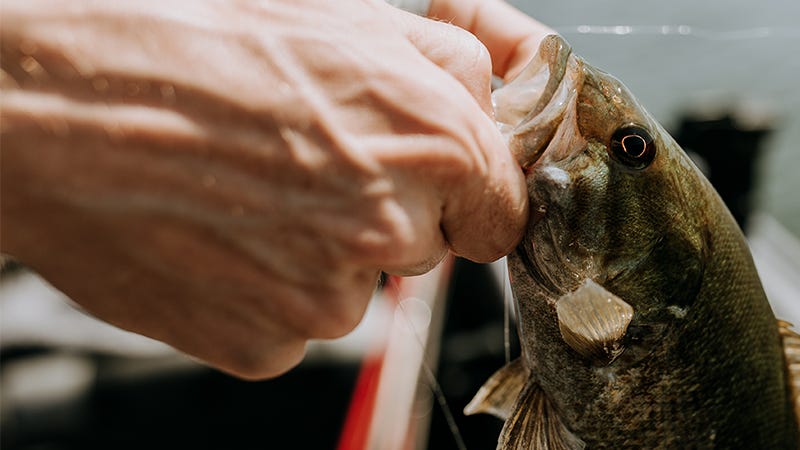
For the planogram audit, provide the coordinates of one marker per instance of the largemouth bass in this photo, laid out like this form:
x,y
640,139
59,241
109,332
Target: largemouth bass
x,y
641,317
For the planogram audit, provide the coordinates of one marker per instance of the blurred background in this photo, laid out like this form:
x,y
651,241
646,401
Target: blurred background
x,y
720,75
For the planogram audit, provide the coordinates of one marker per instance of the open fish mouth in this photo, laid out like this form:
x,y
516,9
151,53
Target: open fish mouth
x,y
530,107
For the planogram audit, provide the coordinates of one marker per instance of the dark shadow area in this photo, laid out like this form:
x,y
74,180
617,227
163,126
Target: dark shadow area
x,y
131,406
472,350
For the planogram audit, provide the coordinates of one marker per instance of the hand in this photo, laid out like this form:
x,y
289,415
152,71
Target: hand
x,y
230,177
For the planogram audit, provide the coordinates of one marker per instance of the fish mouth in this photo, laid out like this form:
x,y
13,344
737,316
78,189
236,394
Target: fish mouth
x,y
530,107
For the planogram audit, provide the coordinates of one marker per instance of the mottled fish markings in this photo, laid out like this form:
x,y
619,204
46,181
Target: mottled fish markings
x,y
642,319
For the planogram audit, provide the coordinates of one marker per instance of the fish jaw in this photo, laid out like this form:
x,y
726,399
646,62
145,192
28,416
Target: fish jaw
x,y
530,108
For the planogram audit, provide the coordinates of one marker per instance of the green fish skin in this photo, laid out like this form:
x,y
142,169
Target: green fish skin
x,y
642,319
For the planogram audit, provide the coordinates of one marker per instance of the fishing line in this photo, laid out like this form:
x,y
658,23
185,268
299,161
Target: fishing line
x,y
433,383
442,401
683,30
504,284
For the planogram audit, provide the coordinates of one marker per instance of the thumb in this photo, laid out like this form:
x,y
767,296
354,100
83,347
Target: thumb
x,y
454,50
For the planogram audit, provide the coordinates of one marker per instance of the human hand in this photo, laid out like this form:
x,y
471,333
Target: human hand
x,y
230,177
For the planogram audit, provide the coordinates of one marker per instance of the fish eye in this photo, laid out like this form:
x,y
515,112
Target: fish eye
x,y
632,146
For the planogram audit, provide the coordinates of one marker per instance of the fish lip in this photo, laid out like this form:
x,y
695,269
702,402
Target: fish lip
x,y
555,54
528,134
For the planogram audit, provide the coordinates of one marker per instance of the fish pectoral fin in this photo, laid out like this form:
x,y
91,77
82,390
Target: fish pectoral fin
x,y
531,420
791,354
535,424
593,321
499,393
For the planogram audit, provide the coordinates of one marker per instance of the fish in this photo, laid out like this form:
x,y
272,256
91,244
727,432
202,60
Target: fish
x,y
641,317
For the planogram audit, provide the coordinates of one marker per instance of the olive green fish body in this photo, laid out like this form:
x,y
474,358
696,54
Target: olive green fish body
x,y
642,319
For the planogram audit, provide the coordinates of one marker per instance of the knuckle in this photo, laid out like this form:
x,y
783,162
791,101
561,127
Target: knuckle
x,y
475,56
483,60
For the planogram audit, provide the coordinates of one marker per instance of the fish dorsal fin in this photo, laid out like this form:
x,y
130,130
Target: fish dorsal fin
x,y
791,353
593,321
499,393
535,424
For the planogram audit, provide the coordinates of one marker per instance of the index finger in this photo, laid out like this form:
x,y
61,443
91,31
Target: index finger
x,y
511,36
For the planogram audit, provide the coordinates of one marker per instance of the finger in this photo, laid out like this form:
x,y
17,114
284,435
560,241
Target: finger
x,y
454,50
486,216
420,244
511,36
483,214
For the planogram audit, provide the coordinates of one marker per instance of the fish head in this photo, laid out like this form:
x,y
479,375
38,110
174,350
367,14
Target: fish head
x,y
615,202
